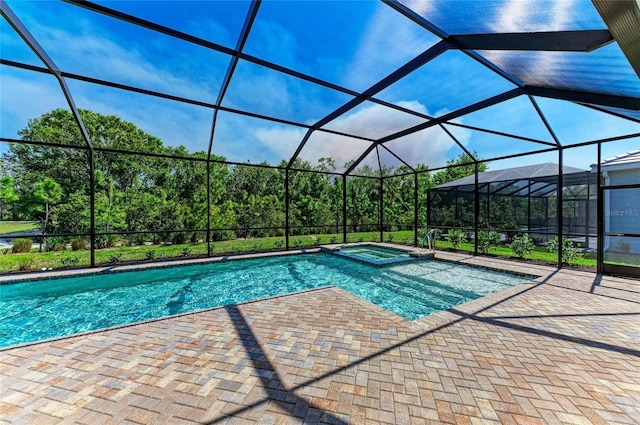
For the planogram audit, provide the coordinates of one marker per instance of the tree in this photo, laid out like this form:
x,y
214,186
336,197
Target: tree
x,y
362,199
8,194
457,168
452,207
48,192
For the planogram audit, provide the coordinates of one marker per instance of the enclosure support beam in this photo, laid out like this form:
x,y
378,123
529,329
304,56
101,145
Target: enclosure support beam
x,y
415,209
286,209
559,200
344,208
556,41
528,206
476,208
381,207
208,209
428,209
587,213
489,204
600,214
602,99
92,207
455,211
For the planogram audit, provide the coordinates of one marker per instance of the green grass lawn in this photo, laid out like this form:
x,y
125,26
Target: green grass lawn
x,y
17,226
36,260
127,254
539,253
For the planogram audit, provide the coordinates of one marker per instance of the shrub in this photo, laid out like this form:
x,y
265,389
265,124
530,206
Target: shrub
x,y
511,230
150,255
456,237
487,240
279,244
115,258
179,238
521,245
537,240
69,261
186,252
53,244
21,245
78,244
25,263
569,250
334,239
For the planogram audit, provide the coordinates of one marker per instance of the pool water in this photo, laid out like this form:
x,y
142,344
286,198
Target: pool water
x,y
36,310
374,252
374,255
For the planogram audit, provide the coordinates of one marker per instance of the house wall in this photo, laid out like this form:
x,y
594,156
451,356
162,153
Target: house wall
x,y
622,209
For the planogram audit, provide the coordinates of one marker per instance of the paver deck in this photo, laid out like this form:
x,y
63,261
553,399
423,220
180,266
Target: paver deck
x,y
564,348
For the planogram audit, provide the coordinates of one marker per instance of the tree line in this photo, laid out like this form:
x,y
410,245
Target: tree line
x,y
165,193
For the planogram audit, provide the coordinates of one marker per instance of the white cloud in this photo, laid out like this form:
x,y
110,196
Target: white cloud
x,y
532,15
281,141
432,147
375,121
529,16
388,41
167,65
340,148
173,122
25,98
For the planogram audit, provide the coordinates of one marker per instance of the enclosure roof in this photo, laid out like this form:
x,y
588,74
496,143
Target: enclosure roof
x,y
538,172
392,85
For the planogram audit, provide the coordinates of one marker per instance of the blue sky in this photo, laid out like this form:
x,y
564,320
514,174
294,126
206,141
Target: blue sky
x,y
351,44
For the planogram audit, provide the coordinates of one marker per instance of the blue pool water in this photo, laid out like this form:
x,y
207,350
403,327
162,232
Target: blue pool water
x,y
36,310
374,255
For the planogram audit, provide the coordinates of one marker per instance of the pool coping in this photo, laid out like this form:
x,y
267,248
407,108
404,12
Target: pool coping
x,y
57,274
418,253
383,262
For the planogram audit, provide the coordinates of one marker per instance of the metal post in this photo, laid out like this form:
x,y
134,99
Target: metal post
x,y
600,214
455,214
559,220
415,209
208,208
381,208
92,207
489,203
344,208
428,209
286,208
587,211
476,210
528,206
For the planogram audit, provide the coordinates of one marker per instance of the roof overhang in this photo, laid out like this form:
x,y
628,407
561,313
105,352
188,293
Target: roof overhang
x,y
623,20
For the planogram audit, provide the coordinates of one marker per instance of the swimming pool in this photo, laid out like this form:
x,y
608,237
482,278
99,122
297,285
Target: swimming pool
x,y
36,310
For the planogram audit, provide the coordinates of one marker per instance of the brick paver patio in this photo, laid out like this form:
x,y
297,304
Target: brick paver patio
x,y
562,349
